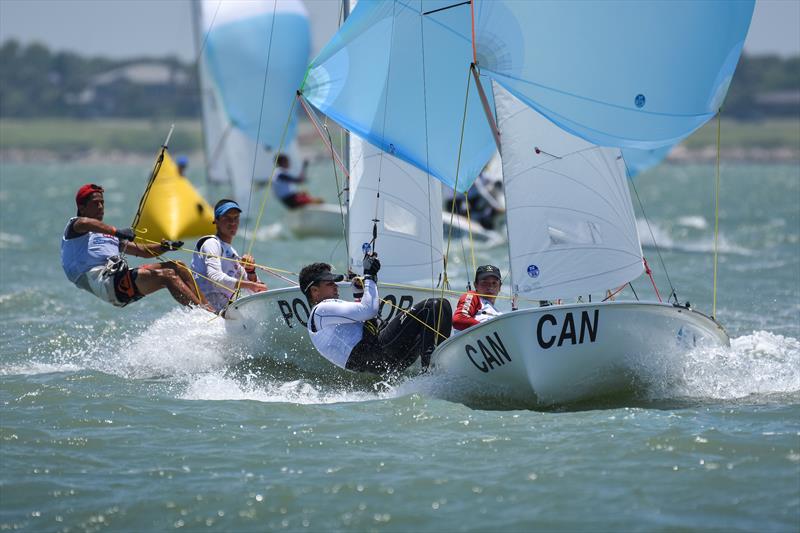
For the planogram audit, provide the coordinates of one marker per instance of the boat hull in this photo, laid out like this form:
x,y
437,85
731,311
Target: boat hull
x,y
316,220
568,353
273,324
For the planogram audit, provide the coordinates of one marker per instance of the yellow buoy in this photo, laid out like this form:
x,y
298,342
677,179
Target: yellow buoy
x,y
173,208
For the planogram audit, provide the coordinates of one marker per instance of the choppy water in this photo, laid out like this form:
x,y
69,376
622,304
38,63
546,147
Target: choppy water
x,y
147,418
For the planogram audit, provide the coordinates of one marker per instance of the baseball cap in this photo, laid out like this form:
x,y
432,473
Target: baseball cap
x,y
182,160
225,206
85,192
323,276
487,270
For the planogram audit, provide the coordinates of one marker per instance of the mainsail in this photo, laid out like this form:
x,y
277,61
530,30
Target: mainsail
x,y
571,225
254,55
408,209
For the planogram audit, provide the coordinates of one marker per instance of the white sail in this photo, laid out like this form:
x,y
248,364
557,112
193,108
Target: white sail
x,y
409,216
571,226
244,114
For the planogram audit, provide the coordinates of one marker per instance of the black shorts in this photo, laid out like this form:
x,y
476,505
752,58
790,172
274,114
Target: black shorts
x,y
409,336
125,286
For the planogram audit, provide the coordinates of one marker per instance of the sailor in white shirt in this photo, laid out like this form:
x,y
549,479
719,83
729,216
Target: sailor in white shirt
x,y
217,267
350,334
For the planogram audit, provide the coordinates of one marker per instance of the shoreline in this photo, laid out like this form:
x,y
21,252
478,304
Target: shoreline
x,y
679,155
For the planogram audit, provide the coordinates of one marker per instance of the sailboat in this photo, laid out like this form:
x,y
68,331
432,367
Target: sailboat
x,y
565,98
253,57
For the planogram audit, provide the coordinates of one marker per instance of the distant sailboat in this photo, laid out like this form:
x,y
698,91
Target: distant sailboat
x,y
254,55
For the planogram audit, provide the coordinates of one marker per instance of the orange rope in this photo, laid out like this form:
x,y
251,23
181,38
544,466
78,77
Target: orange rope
x,y
650,273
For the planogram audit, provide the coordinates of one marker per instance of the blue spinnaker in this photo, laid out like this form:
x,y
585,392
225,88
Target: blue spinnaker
x,y
398,78
617,73
637,160
257,38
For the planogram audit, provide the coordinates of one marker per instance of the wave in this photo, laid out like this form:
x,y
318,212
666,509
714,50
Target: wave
x,y
655,235
761,363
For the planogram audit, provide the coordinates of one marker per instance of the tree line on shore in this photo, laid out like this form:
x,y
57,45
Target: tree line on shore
x,y
36,82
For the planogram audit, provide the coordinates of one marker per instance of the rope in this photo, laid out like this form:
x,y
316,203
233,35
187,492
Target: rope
x,y
650,273
407,312
469,228
455,192
261,118
339,192
716,216
652,235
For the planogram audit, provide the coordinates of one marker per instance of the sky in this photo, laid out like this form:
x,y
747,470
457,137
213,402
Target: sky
x,y
121,29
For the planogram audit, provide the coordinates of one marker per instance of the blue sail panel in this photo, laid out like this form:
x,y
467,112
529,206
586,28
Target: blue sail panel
x,y
617,73
398,78
240,50
637,161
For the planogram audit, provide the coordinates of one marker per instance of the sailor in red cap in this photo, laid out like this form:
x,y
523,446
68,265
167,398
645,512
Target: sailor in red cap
x,y
91,258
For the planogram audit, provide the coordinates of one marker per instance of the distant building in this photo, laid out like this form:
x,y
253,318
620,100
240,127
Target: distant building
x,y
779,103
123,91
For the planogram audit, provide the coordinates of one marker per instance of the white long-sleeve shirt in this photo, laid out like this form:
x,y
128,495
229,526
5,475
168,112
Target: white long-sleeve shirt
x,y
336,326
208,265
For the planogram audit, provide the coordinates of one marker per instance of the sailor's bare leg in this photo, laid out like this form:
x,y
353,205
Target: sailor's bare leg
x,y
185,273
149,280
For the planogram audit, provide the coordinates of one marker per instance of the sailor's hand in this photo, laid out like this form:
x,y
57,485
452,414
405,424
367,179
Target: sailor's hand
x,y
371,266
171,246
248,263
125,234
254,286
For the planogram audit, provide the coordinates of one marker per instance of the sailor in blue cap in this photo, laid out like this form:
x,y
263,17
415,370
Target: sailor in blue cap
x,y
217,267
182,161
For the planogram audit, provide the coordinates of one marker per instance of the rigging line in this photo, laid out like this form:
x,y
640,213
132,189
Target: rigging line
x,y
652,235
455,184
432,11
268,269
455,193
472,18
716,216
375,218
153,174
461,243
315,121
436,209
471,243
260,119
339,192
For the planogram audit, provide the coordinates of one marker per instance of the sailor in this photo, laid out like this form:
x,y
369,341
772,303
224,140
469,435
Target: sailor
x,y
217,267
182,162
285,185
350,335
90,256
477,306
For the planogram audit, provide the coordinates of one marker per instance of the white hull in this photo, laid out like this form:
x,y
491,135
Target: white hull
x,y
316,220
567,353
272,324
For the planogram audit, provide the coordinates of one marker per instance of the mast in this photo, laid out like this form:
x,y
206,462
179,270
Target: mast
x,y
197,33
